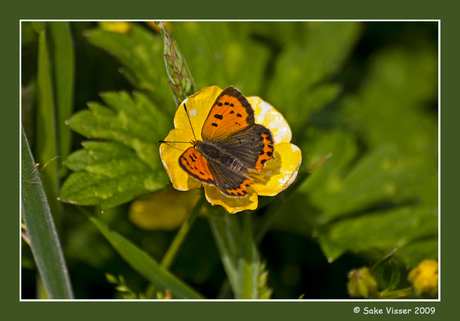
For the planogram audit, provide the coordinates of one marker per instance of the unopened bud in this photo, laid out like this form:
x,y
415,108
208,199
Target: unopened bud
x,y
361,284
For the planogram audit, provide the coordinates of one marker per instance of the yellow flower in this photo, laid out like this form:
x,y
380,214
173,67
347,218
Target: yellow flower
x,y
424,278
115,26
277,174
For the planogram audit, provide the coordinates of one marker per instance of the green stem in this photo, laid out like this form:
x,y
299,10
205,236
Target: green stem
x,y
248,263
398,294
176,244
173,249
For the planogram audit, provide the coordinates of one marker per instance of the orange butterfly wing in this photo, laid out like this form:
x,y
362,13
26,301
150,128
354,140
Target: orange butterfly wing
x,y
230,125
196,166
230,114
241,190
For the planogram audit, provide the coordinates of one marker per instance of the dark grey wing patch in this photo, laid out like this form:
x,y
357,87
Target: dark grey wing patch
x,y
249,145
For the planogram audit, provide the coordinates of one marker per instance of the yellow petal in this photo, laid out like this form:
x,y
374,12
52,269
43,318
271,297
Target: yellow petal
x,y
165,210
278,173
198,107
170,153
268,116
231,204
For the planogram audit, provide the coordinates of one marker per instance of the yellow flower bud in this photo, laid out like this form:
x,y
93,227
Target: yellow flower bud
x,y
424,278
361,284
165,210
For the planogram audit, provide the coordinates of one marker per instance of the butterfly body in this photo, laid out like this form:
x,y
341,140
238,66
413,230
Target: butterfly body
x,y
232,146
215,152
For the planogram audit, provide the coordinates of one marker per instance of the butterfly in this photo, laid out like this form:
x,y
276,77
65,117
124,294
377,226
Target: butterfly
x,y
233,145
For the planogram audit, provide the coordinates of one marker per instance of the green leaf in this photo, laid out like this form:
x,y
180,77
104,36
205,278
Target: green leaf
x,y
385,174
384,199
374,202
114,172
63,66
390,108
385,229
324,48
108,174
319,143
223,54
141,54
419,250
135,122
41,231
331,250
111,278
145,265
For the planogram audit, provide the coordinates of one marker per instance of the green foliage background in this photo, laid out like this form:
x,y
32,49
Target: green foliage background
x,y
364,92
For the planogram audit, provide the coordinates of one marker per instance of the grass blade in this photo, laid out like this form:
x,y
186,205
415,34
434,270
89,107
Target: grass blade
x,y
45,147
146,266
63,62
41,231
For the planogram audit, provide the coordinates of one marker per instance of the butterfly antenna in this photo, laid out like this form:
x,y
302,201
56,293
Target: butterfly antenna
x,y
188,117
193,132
